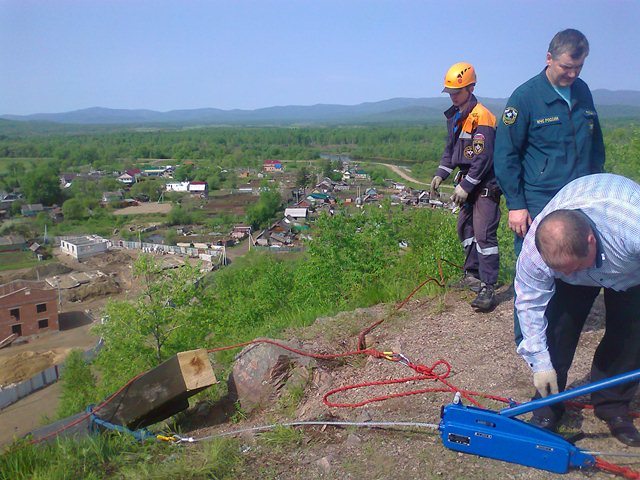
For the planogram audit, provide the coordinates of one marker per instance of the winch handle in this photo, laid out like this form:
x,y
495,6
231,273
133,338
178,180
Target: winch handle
x,y
572,393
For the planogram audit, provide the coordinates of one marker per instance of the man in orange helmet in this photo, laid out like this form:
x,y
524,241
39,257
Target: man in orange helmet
x,y
470,136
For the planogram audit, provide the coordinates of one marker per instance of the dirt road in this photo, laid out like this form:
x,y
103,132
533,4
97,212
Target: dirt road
x,y
402,172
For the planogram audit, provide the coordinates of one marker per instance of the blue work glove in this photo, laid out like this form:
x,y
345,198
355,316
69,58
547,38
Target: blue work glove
x,y
459,196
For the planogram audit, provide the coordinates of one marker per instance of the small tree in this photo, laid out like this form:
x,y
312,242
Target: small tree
x,y
78,385
142,334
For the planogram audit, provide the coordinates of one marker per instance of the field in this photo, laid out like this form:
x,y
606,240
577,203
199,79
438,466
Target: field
x,y
235,204
145,208
17,260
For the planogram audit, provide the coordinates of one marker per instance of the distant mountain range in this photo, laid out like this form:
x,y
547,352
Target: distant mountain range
x,y
610,104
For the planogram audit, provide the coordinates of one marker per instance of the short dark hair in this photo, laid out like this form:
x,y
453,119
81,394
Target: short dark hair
x,y
572,242
569,41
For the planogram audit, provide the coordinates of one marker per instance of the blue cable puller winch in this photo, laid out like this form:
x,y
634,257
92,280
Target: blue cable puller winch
x,y
500,436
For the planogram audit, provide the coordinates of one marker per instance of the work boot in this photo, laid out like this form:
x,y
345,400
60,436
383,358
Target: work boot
x,y
469,281
486,299
623,429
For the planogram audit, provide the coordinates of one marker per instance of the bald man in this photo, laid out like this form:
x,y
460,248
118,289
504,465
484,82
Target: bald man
x,y
585,240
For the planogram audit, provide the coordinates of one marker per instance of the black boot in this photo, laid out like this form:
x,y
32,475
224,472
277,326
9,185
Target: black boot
x,y
469,281
486,299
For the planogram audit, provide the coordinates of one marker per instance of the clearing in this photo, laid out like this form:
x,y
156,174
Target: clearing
x,y
144,208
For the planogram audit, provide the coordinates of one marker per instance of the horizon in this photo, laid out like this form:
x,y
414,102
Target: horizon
x,y
166,55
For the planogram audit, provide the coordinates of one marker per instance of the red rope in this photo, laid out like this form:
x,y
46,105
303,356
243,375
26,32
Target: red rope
x,y
424,373
626,472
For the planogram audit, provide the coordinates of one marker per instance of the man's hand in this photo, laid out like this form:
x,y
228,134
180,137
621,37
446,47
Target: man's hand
x,y
459,196
519,221
435,184
546,382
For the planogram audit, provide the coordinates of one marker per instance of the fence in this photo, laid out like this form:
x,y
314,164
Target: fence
x,y
170,249
14,392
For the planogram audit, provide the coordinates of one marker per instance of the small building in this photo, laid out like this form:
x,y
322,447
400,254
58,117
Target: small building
x,y
12,243
127,179
198,187
296,213
272,166
156,172
177,187
112,196
241,231
361,175
66,179
84,246
27,308
31,209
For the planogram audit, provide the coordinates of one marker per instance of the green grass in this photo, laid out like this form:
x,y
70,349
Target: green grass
x,y
113,456
16,260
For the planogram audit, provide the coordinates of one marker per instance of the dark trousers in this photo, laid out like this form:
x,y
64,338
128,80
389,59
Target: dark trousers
x,y
618,351
478,232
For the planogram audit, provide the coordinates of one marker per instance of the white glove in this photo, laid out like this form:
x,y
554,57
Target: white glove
x,y
546,382
459,195
435,184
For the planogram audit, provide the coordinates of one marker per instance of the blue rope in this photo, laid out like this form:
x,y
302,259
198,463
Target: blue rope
x,y
95,422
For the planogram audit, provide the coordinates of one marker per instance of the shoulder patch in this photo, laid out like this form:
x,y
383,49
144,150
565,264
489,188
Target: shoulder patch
x,y
468,152
478,143
509,116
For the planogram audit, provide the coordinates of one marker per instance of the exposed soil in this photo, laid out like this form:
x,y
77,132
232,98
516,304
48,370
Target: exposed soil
x,y
481,352
144,208
230,204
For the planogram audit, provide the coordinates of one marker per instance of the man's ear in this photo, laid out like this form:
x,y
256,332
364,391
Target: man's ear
x,y
549,57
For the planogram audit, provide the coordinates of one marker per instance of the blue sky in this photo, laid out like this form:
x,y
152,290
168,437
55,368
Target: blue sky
x,y
62,55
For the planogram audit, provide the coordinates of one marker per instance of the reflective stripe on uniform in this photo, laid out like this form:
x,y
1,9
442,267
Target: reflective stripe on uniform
x,y
468,241
487,251
472,180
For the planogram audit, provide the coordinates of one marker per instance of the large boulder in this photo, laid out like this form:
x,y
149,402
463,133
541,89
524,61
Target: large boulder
x,y
263,372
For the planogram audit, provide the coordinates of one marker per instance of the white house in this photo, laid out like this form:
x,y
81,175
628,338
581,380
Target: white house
x,y
127,179
177,187
84,246
198,187
296,212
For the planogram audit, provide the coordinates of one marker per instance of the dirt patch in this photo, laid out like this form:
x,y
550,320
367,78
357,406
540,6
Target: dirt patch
x,y
145,208
235,204
26,364
100,287
481,352
37,273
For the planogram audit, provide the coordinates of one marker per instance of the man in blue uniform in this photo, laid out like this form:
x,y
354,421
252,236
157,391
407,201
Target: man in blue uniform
x,y
549,135
470,138
586,239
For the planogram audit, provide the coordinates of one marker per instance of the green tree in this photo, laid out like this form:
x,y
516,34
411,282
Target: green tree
x,y
152,187
74,209
78,385
303,177
259,214
141,334
41,186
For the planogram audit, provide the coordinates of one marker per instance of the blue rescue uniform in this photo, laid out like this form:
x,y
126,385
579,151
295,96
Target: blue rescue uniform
x,y
470,140
542,144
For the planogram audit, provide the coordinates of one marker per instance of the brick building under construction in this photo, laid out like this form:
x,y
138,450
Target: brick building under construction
x,y
27,308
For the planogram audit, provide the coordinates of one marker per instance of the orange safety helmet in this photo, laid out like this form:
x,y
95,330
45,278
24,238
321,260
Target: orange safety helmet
x,y
460,75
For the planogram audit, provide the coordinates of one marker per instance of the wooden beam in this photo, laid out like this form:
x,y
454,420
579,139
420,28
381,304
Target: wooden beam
x,y
155,396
